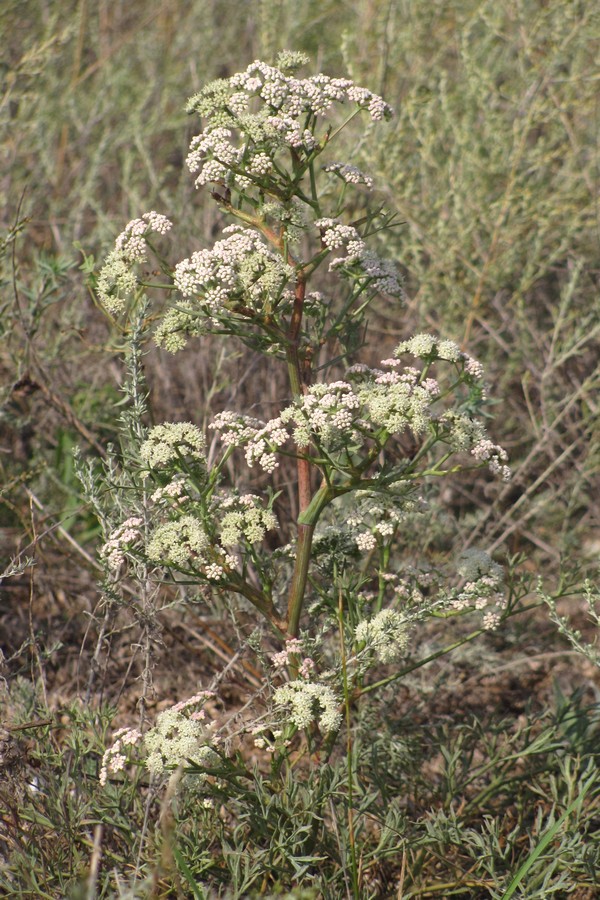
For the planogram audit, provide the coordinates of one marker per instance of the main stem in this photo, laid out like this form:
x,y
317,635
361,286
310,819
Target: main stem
x,y
305,529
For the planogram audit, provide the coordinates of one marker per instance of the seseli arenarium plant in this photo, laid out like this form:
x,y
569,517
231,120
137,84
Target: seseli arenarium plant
x,y
292,278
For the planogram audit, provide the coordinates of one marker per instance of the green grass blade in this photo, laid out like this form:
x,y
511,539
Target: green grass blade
x,y
185,870
548,837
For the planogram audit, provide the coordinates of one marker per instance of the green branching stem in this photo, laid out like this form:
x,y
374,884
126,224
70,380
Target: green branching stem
x,y
259,600
307,520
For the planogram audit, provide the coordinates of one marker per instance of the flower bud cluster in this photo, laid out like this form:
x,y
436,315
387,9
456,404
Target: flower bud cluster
x,y
386,635
293,648
172,441
204,543
482,589
117,281
349,174
397,400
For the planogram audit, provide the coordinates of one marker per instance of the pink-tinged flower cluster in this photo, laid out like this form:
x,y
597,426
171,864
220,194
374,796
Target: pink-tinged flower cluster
x,y
495,456
293,649
115,758
262,439
359,263
349,174
123,537
200,697
131,242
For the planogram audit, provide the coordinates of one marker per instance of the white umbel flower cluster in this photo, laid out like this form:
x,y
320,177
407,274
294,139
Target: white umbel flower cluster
x,y
262,439
389,401
178,542
482,590
182,733
386,634
175,739
309,702
360,264
171,441
238,274
429,347
272,110
244,518
327,411
117,280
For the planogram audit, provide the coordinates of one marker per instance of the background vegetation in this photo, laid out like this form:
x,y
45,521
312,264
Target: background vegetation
x,y
493,166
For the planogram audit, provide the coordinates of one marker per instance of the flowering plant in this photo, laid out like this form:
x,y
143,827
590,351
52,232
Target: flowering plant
x,y
293,278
